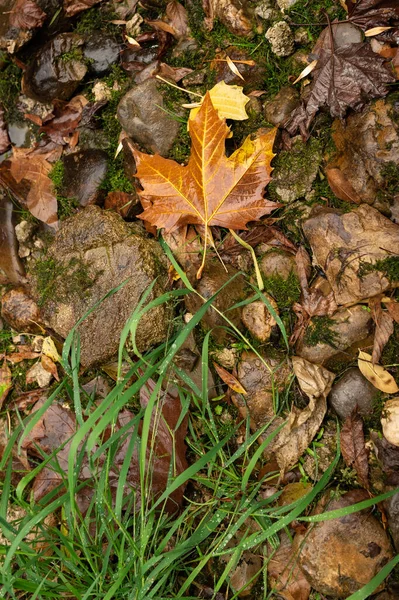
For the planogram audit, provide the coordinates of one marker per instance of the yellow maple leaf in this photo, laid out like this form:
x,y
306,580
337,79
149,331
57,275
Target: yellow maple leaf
x,y
229,101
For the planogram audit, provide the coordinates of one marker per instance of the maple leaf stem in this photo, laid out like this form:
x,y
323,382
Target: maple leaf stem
x,y
259,279
177,87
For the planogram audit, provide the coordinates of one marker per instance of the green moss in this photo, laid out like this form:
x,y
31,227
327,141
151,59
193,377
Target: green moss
x,y
319,332
96,19
5,340
323,192
389,267
312,15
75,54
57,281
285,291
390,184
66,206
10,88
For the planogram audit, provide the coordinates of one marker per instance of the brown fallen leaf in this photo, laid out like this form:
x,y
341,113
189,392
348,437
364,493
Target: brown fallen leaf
x,y
173,73
26,14
4,139
120,202
61,128
285,575
229,379
210,189
5,382
41,200
17,357
177,17
38,374
292,441
50,366
72,7
341,187
383,326
393,309
376,374
353,447
368,14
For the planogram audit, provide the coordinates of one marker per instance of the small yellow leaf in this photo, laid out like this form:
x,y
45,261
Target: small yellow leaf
x,y
229,101
376,374
376,31
229,379
233,68
50,350
306,71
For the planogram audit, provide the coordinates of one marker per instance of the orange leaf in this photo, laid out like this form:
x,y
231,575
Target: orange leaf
x,y
212,189
50,366
229,379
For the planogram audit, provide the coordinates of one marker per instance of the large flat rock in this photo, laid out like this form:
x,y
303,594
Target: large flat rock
x,y
93,253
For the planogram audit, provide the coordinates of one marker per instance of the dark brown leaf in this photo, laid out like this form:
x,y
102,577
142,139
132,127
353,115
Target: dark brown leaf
x,y
229,379
173,73
344,77
62,126
4,139
341,187
50,366
178,19
373,13
17,357
383,327
120,202
313,301
72,7
393,309
26,14
353,447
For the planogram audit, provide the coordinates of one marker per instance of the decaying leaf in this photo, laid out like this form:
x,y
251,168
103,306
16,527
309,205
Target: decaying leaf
x,y
344,77
341,186
376,374
292,441
5,382
26,14
38,374
368,14
229,101
40,199
314,380
353,447
4,139
72,7
285,575
178,19
229,379
393,309
383,327
49,366
212,189
62,127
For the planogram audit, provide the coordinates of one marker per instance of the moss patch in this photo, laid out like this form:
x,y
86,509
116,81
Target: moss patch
x,y
66,206
10,88
389,267
320,331
285,291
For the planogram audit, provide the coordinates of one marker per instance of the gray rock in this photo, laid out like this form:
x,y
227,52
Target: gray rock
x,y
352,325
346,33
144,121
282,105
194,78
96,251
265,10
52,73
102,51
350,391
286,4
296,169
281,39
84,172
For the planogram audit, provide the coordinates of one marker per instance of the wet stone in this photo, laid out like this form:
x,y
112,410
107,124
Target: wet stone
x,y
20,311
84,172
96,251
350,391
340,556
141,116
102,52
56,70
281,39
351,326
282,105
275,264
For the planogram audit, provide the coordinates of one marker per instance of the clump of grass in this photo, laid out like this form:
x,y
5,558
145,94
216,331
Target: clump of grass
x,y
320,331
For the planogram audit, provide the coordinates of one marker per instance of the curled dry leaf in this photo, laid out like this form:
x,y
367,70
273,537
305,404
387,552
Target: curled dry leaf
x,y
314,380
376,374
353,447
229,379
5,382
72,7
393,309
49,366
62,127
292,441
229,101
383,327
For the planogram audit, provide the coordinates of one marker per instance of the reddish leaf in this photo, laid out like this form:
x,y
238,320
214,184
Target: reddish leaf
x,y
341,187
212,189
383,327
33,168
344,77
50,366
17,357
72,7
62,127
393,309
5,382
120,202
26,14
229,379
353,447
4,139
173,73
